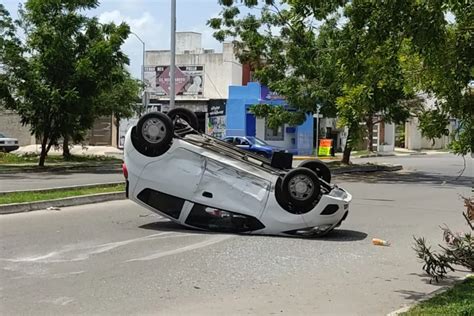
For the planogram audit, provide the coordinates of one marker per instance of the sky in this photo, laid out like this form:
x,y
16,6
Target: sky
x,y
150,20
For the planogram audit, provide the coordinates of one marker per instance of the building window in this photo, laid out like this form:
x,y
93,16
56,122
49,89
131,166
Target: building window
x,y
274,134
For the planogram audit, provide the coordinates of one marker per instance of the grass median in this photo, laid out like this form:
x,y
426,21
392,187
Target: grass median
x,y
44,195
458,300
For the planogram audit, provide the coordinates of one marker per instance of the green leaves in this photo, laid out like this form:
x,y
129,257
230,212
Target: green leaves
x,y
68,70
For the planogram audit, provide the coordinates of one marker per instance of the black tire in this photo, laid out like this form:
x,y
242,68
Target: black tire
x,y
321,169
188,116
153,134
301,201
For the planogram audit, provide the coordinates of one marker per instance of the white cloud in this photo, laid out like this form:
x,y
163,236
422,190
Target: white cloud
x,y
152,32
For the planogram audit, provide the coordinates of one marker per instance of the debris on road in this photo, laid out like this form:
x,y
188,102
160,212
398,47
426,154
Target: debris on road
x,y
380,242
53,208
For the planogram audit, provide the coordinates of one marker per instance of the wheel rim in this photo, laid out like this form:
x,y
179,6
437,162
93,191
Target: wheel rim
x,y
301,187
154,130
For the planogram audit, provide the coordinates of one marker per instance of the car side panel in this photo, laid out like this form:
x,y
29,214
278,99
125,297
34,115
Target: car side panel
x,y
232,189
178,174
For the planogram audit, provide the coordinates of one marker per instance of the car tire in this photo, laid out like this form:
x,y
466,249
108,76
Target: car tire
x,y
153,134
188,116
319,167
302,189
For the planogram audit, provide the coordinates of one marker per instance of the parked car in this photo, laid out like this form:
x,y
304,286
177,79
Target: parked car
x,y
253,144
206,183
8,144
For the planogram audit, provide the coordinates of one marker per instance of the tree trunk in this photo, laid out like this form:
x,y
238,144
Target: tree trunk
x,y
66,152
346,156
370,137
44,151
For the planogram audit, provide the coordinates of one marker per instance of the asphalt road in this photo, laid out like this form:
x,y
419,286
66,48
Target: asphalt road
x,y
46,180
439,164
118,258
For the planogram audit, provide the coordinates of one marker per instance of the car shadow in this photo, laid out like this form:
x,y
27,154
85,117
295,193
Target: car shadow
x,y
335,235
407,177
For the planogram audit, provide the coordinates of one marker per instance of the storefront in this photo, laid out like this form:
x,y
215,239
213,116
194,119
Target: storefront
x,y
240,122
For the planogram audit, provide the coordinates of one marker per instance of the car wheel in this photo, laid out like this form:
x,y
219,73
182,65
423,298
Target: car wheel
x,y
319,167
301,188
153,134
178,115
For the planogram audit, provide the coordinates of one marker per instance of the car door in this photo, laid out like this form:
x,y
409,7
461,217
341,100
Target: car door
x,y
242,143
227,188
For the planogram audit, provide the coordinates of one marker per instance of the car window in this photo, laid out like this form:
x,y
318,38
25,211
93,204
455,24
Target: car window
x,y
244,142
255,140
237,141
2,135
229,140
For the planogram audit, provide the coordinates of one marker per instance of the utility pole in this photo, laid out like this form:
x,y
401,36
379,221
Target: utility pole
x,y
318,108
143,70
173,54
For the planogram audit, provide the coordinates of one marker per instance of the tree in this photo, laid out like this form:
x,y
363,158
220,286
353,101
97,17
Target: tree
x,y
363,54
67,63
314,59
446,71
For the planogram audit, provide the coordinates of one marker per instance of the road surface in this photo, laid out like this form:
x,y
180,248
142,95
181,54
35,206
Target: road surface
x,y
445,164
46,180
118,258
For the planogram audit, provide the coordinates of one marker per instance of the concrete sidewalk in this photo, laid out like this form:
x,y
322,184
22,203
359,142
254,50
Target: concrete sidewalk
x,y
401,152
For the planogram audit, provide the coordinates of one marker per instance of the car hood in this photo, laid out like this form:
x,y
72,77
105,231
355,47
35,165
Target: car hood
x,y
8,139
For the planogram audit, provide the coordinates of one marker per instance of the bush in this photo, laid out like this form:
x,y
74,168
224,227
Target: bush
x,y
459,248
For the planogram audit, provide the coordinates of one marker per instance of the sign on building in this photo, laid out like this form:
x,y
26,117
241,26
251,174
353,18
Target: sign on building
x,y
216,110
188,80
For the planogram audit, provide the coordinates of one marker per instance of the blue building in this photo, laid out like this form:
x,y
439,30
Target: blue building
x,y
239,122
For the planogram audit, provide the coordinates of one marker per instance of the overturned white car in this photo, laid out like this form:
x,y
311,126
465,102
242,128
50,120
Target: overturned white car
x,y
205,183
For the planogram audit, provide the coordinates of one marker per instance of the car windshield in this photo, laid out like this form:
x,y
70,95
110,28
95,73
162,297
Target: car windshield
x,y
2,135
256,141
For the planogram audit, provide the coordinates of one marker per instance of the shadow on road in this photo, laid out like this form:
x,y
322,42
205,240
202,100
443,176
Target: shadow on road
x,y
415,296
344,235
407,177
335,235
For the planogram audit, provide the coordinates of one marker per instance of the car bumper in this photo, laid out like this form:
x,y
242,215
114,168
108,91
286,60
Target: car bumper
x,y
9,148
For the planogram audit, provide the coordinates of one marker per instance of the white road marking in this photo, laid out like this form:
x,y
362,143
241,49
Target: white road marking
x,y
63,301
183,249
59,256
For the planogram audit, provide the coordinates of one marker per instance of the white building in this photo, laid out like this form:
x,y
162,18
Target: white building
x,y
202,78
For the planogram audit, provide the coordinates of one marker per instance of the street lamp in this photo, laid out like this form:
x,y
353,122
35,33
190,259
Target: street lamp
x,y
143,70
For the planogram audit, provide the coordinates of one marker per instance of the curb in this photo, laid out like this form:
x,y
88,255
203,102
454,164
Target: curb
x,y
71,201
368,168
82,186
77,168
314,157
428,296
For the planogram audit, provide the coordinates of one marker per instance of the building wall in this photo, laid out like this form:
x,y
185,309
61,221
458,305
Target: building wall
x,y
304,134
10,125
220,69
288,142
415,141
188,41
298,140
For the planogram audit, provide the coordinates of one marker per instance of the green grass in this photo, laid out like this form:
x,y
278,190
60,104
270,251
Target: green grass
x,y
456,301
8,158
21,197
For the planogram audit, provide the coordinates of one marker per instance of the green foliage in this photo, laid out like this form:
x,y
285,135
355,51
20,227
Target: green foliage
x,y
362,60
459,249
23,197
60,79
277,115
